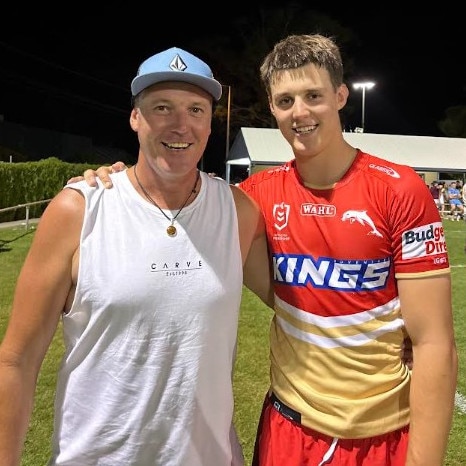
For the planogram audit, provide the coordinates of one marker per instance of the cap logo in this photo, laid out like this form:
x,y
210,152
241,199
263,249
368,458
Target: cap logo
x,y
177,64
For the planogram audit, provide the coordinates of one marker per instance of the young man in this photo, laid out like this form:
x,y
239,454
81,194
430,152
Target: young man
x,y
359,255
358,251
147,280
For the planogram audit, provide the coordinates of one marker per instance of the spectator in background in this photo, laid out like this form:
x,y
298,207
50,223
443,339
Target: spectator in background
x,y
455,201
441,197
463,198
435,191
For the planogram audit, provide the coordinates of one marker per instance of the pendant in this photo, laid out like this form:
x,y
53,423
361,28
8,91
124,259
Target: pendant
x,y
171,230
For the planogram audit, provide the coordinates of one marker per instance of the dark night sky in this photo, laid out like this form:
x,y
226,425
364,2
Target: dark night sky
x,y
74,73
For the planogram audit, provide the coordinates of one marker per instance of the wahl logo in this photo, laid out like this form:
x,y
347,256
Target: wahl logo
x,y
319,210
360,216
280,214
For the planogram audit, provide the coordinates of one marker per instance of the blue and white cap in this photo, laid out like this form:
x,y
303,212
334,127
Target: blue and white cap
x,y
176,64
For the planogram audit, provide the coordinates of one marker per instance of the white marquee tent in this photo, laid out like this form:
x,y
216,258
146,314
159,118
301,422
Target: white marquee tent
x,y
259,148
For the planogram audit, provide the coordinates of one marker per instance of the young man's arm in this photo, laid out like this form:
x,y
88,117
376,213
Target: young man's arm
x,y
427,312
256,269
102,172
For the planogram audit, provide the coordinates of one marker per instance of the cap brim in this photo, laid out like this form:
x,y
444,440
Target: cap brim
x,y
210,85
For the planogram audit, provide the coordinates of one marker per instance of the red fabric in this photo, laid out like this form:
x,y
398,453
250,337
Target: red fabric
x,y
281,442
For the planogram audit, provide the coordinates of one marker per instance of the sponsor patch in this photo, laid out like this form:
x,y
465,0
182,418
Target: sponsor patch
x,y
318,210
332,274
427,240
387,170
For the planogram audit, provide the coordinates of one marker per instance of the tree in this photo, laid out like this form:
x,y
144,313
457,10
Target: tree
x,y
454,123
238,53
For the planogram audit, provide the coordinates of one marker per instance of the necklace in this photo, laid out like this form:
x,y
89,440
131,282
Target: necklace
x,y
171,229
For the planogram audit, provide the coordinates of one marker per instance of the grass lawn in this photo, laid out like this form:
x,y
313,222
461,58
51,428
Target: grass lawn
x,y
251,373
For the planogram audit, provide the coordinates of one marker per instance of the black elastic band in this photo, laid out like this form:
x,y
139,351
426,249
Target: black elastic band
x,y
284,410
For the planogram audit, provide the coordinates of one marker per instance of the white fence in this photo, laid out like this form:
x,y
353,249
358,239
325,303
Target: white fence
x,y
27,207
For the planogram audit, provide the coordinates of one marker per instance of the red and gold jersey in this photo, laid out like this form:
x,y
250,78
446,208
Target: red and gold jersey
x,y
336,336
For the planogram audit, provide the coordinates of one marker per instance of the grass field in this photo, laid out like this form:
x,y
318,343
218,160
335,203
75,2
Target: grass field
x,y
251,374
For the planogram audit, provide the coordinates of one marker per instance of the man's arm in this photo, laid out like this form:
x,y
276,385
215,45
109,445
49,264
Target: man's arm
x,y
41,294
427,312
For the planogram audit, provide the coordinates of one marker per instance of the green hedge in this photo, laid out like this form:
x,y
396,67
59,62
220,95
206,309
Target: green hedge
x,y
24,182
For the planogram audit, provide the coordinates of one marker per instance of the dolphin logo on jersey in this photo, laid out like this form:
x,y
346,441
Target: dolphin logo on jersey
x,y
361,217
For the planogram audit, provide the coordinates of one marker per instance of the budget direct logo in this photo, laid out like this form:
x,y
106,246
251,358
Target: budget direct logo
x,y
427,240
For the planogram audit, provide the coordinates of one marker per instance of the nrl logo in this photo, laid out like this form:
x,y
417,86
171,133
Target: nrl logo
x,y
280,214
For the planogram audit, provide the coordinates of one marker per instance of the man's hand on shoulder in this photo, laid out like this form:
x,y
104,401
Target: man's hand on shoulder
x,y
103,172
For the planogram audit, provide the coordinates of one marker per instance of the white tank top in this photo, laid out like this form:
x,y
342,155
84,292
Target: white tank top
x,y
150,339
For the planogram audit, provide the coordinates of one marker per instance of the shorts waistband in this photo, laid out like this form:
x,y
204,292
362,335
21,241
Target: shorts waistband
x,y
284,410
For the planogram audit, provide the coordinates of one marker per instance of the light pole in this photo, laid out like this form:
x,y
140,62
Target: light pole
x,y
363,85
227,146
227,138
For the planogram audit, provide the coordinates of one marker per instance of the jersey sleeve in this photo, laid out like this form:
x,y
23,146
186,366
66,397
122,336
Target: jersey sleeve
x,y
418,237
